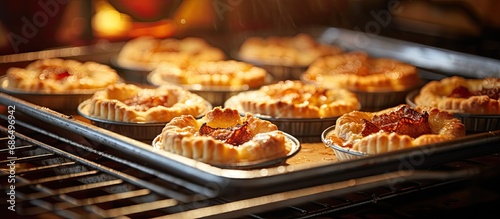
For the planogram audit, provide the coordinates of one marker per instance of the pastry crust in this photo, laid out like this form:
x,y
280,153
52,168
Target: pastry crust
x,y
183,136
298,50
61,76
147,52
349,128
437,94
359,72
227,73
130,103
295,99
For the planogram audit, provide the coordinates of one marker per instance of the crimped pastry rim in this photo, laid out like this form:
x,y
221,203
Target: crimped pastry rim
x,y
235,54
230,103
295,148
73,92
83,110
154,78
381,91
129,65
410,99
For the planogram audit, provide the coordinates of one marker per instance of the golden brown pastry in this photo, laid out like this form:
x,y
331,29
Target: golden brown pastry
x,y
298,50
130,103
394,129
147,52
227,73
61,76
359,72
223,137
460,95
295,99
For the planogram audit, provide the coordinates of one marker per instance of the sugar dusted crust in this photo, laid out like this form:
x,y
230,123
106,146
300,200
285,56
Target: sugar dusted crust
x,y
436,94
298,50
357,71
130,103
227,73
182,136
147,52
295,99
349,127
61,76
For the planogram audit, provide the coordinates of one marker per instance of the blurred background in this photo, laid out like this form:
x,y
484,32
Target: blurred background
x,y
461,25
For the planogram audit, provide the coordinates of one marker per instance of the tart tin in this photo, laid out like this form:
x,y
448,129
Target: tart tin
x,y
61,102
305,129
279,72
216,95
473,122
342,153
376,100
293,142
141,131
130,72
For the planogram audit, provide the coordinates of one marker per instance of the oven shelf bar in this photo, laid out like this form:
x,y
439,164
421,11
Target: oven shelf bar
x,y
291,198
34,192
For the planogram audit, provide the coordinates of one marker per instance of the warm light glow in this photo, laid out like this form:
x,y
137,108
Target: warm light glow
x,y
109,22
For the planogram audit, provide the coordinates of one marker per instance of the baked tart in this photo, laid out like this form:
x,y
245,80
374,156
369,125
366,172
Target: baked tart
x,y
133,104
379,82
146,52
298,50
295,99
58,76
393,129
360,72
223,137
224,73
461,95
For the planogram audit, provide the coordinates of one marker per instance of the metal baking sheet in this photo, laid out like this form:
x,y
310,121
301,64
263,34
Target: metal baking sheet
x,y
231,179
282,176
427,57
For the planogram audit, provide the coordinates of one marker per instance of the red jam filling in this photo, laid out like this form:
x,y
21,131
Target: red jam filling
x,y
403,121
54,72
232,135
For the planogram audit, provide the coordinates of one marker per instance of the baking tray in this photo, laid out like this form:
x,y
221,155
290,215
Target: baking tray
x,y
435,61
231,180
284,176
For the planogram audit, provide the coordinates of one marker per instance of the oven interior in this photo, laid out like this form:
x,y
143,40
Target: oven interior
x,y
64,170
